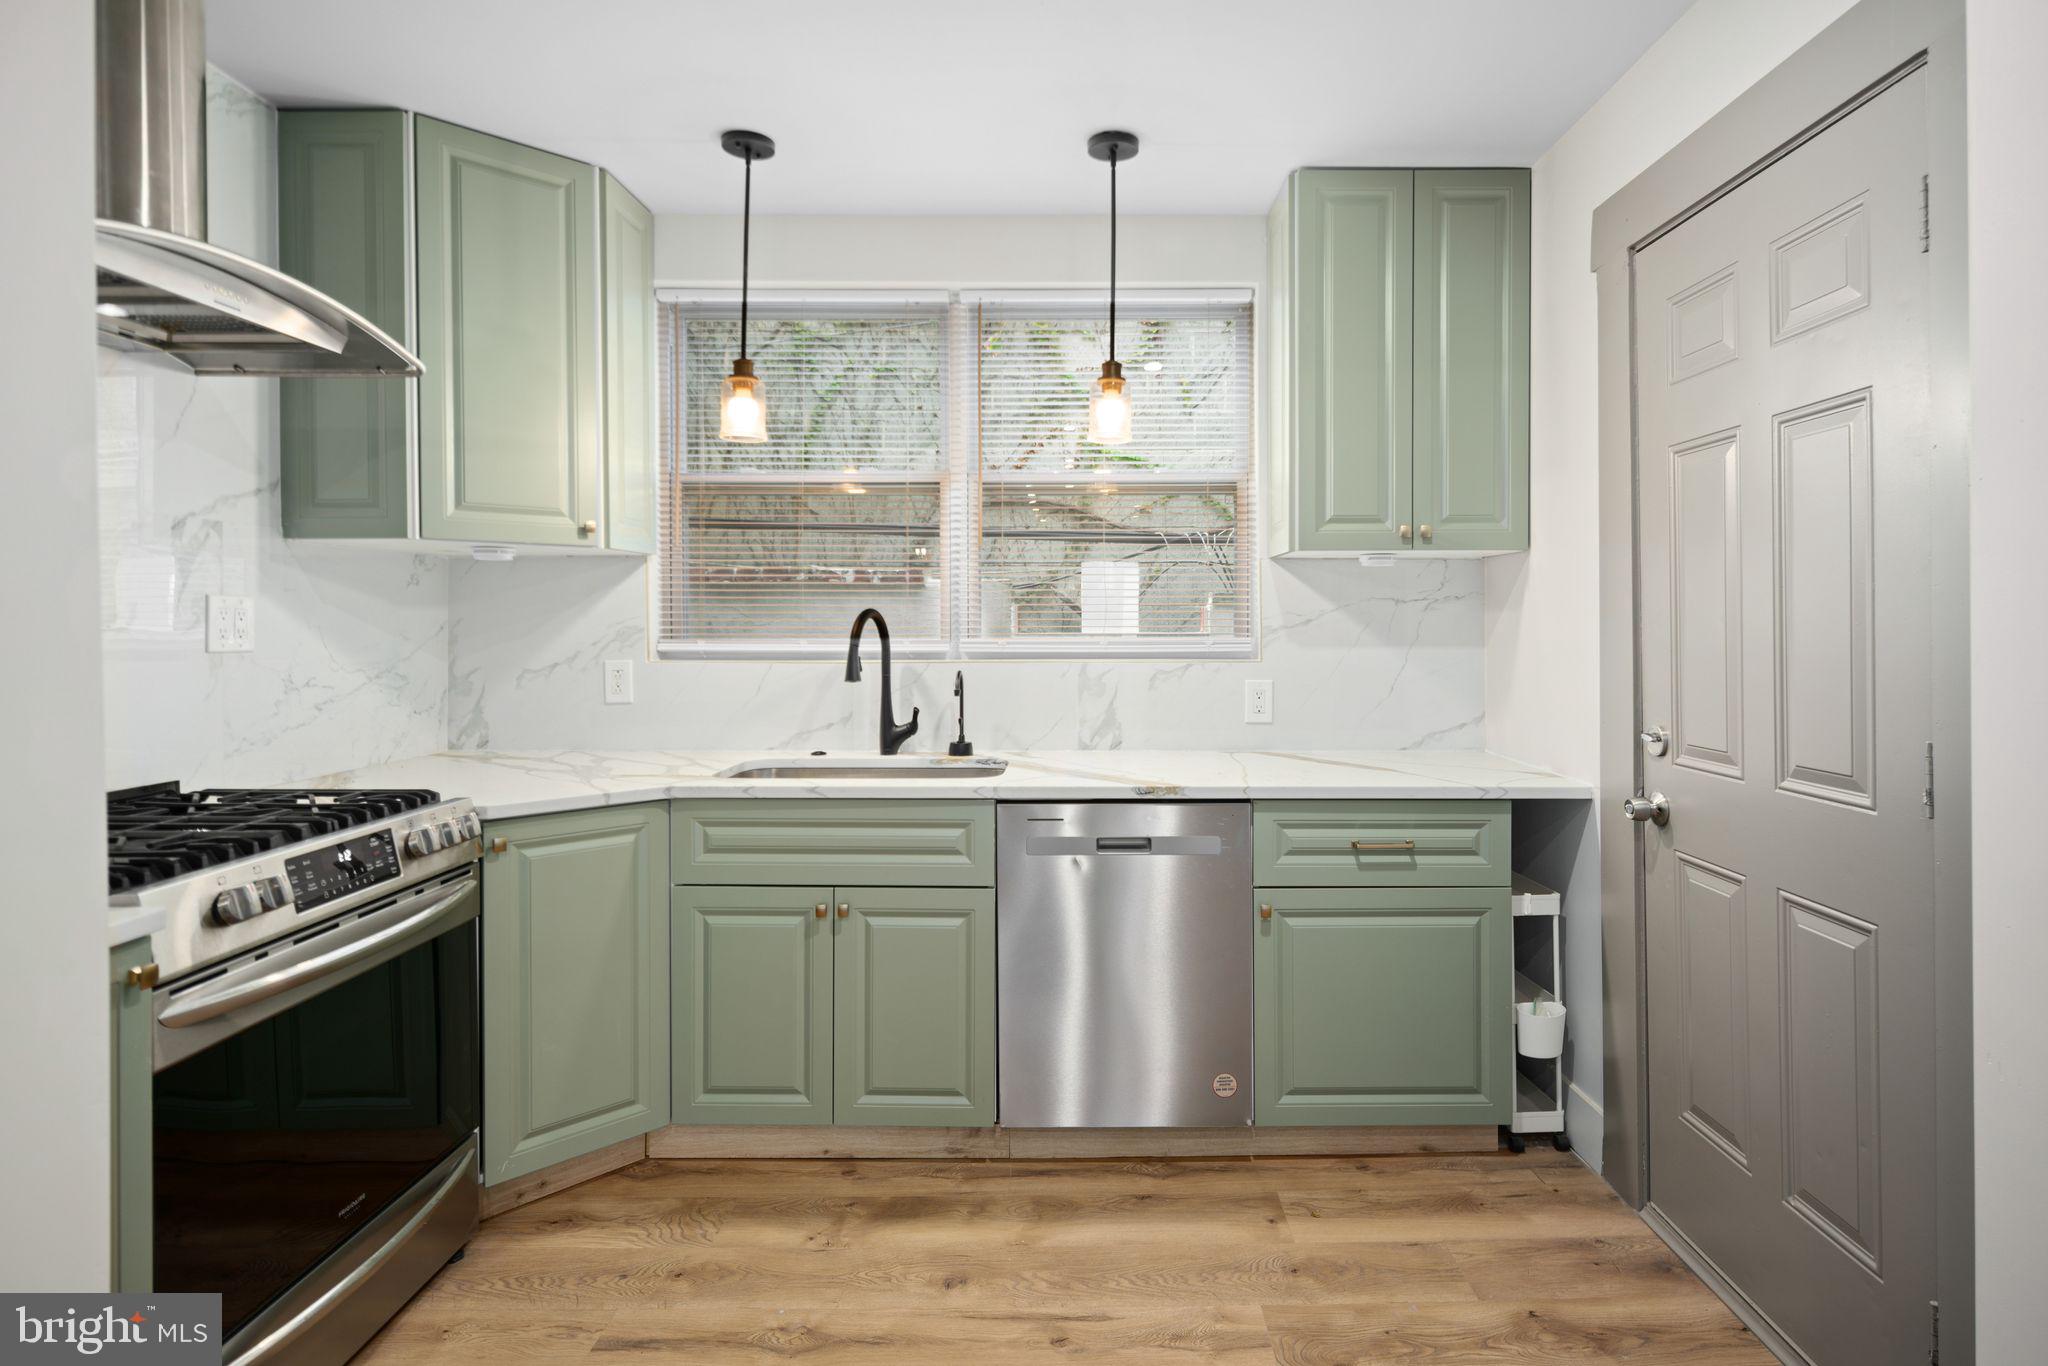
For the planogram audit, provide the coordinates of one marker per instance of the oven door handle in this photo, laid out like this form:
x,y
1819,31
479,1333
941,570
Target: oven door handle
x,y
203,1005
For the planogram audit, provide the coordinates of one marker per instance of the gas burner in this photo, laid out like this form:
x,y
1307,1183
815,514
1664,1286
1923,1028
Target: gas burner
x,y
159,832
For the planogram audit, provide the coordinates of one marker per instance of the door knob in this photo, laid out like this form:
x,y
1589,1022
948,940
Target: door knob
x,y
587,529
842,910
1406,532
1655,808
1655,742
1265,912
820,912
1428,532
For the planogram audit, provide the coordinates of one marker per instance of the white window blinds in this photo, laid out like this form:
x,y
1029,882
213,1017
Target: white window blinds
x,y
779,545
943,475
1132,549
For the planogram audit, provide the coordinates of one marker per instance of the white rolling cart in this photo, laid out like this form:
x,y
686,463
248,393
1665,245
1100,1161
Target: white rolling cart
x,y
1539,1014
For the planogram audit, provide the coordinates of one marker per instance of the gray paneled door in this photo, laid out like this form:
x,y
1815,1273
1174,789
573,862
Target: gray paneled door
x,y
1783,477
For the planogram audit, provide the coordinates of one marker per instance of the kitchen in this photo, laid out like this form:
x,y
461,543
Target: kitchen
x,y
721,712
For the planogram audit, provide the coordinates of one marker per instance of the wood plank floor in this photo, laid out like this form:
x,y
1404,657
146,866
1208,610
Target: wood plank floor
x,y
1295,1260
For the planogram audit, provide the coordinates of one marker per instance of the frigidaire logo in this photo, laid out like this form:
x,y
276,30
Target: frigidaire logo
x,y
157,1328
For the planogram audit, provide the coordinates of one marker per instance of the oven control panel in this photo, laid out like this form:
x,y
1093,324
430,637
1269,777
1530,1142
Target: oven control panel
x,y
341,868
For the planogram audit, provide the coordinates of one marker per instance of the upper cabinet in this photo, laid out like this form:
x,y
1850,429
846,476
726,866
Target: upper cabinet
x,y
524,280
1398,354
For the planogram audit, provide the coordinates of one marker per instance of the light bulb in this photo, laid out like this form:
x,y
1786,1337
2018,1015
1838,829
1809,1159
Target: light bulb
x,y
742,411
1109,408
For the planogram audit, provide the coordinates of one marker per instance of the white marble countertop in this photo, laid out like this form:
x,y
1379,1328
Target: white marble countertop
x,y
532,783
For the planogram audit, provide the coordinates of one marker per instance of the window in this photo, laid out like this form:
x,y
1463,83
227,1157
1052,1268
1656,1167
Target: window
x,y
927,456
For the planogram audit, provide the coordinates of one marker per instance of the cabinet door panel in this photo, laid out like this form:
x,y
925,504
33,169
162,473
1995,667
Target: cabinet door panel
x,y
1350,359
575,953
508,285
1472,359
1384,1007
916,1007
630,429
342,224
752,1008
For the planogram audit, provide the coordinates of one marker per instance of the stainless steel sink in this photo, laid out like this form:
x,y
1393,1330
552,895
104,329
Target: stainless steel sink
x,y
861,767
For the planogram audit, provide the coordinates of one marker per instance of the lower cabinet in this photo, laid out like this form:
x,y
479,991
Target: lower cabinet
x,y
575,984
816,1005
1380,1005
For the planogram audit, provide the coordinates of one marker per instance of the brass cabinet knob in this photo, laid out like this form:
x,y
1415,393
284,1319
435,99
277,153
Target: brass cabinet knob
x,y
820,911
1265,912
1428,532
143,978
1407,532
842,910
499,846
588,528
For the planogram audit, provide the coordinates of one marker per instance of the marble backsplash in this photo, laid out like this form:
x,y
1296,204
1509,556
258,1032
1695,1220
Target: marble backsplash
x,y
351,657
1385,658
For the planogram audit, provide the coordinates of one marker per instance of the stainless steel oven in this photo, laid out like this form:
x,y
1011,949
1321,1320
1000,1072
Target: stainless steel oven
x,y
317,1089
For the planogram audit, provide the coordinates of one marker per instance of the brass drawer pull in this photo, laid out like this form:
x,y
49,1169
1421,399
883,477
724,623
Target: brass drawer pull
x,y
1382,846
143,978
842,910
499,846
820,911
1265,912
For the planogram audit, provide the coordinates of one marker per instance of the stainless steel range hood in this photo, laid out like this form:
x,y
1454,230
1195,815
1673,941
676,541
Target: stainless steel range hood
x,y
162,287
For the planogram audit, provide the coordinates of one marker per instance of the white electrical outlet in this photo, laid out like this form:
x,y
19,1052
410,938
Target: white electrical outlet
x,y
618,682
230,624
1258,701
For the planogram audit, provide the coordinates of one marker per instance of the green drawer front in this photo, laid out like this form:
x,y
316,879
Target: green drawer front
x,y
764,842
1380,844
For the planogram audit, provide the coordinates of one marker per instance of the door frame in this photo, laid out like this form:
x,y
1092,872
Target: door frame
x,y
1873,45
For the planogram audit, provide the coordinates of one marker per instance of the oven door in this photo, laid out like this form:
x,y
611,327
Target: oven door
x,y
305,1087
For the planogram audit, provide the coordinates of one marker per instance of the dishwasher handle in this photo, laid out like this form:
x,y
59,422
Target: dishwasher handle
x,y
1123,844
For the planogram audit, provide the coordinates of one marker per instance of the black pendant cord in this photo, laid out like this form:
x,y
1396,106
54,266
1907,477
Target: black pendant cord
x,y
746,248
1112,253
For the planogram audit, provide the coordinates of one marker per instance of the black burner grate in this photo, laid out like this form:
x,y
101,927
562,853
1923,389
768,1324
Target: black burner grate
x,y
158,832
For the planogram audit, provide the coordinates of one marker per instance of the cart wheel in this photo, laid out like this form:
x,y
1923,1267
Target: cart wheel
x,y
1560,1142
1516,1144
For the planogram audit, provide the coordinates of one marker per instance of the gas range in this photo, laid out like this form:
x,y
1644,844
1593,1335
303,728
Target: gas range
x,y
234,867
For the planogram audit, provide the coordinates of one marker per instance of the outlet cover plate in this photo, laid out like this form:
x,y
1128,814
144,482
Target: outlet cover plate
x,y
230,624
1258,701
618,682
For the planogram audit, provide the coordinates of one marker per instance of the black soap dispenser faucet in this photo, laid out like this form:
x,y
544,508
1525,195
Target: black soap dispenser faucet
x,y
961,745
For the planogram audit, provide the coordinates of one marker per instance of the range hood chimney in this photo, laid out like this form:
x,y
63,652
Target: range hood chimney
x,y
162,286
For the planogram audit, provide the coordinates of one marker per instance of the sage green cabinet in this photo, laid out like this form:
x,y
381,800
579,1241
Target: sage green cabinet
x,y
1398,357
915,1006
1472,360
1383,1006
630,429
752,1005
524,282
132,1231
575,973
344,195
508,286
823,1005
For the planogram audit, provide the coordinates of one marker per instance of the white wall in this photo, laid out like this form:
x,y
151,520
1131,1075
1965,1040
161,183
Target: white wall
x,y
351,657
1542,608
2008,109
1386,659
53,1015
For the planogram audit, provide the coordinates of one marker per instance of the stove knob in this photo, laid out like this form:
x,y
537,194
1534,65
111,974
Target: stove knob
x,y
273,892
450,834
422,842
235,905
472,828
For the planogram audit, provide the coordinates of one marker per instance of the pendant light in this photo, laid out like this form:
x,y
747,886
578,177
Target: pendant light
x,y
742,407
1109,407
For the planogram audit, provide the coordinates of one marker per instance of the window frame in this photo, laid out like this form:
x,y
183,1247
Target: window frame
x,y
961,486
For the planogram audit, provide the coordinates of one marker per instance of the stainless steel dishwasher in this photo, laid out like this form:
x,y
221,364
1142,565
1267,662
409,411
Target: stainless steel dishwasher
x,y
1124,964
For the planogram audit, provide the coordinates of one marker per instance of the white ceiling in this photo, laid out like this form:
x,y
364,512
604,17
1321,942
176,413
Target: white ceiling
x,y
962,106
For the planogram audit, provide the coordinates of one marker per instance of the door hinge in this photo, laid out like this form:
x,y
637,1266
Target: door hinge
x,y
1934,1333
1923,215
1927,793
